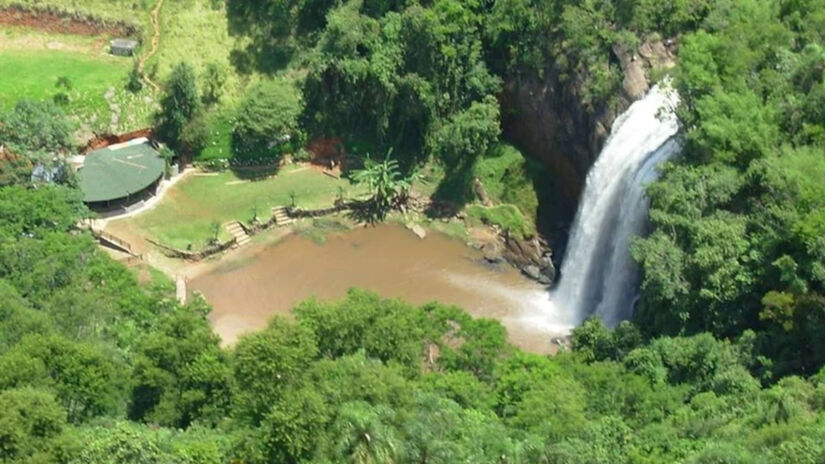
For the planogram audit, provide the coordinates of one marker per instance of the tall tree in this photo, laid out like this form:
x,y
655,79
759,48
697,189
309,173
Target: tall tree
x,y
179,104
363,437
267,121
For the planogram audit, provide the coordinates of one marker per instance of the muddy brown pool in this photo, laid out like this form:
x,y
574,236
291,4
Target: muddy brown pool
x,y
246,291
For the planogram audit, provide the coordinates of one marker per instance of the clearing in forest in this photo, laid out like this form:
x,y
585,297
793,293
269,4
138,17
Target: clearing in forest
x,y
75,70
186,213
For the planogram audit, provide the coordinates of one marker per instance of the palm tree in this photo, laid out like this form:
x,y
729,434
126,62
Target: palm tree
x,y
385,183
361,436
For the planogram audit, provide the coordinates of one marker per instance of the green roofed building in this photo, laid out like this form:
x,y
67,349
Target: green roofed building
x,y
120,174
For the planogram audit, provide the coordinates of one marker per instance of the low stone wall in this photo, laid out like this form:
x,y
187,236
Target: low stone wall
x,y
311,213
193,255
258,227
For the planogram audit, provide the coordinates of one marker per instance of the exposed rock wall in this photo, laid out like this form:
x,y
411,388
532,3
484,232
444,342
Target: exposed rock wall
x,y
546,119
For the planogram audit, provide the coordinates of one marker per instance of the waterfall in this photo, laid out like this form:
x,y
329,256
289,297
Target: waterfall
x,y
598,275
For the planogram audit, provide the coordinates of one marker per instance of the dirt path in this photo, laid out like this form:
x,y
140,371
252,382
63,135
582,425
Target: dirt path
x,y
155,44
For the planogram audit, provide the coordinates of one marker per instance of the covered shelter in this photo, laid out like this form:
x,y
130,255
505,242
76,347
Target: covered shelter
x,y
123,47
121,174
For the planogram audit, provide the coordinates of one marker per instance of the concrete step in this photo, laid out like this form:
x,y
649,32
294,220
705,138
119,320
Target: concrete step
x,y
279,213
236,230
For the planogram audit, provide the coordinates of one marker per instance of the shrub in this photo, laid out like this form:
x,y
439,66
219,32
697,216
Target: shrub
x,y
507,217
267,124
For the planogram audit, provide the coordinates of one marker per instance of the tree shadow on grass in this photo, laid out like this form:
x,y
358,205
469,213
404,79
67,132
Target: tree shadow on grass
x,y
260,58
252,173
454,191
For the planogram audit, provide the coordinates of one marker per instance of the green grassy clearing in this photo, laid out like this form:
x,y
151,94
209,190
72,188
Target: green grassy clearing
x,y
32,62
196,32
34,73
507,177
188,210
506,216
219,144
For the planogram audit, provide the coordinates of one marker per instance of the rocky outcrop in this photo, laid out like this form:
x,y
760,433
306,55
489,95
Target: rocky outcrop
x,y
481,193
533,259
530,256
546,118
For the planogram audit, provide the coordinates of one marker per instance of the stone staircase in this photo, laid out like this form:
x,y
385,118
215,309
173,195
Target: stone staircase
x,y
236,230
281,216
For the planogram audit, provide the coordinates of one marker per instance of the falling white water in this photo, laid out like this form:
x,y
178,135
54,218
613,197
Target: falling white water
x,y
598,274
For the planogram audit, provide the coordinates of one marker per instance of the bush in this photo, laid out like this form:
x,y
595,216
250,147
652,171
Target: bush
x,y
179,106
508,217
506,175
267,123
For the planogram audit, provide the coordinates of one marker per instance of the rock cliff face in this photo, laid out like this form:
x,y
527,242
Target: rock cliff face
x,y
547,120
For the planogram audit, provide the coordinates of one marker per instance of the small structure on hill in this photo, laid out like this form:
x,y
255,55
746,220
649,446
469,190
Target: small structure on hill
x,y
123,47
120,175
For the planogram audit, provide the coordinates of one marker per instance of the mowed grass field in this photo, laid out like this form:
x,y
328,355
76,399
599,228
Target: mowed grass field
x,y
33,61
188,209
33,74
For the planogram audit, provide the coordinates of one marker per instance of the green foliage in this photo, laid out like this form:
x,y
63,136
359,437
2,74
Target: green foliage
x,y
85,382
412,81
179,104
180,374
35,136
36,126
360,435
128,442
135,82
37,212
268,363
733,244
214,80
290,430
506,217
266,125
387,330
385,183
31,420
195,135
468,134
508,177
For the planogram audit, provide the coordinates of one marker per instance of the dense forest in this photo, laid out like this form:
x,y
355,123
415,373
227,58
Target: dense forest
x,y
721,364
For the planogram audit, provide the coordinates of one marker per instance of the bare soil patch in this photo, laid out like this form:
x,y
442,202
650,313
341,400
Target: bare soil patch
x,y
61,22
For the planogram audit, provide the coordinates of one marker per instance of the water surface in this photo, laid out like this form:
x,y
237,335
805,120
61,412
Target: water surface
x,y
247,291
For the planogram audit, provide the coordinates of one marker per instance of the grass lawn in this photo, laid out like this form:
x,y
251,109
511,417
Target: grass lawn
x,y
197,33
190,207
33,74
32,61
